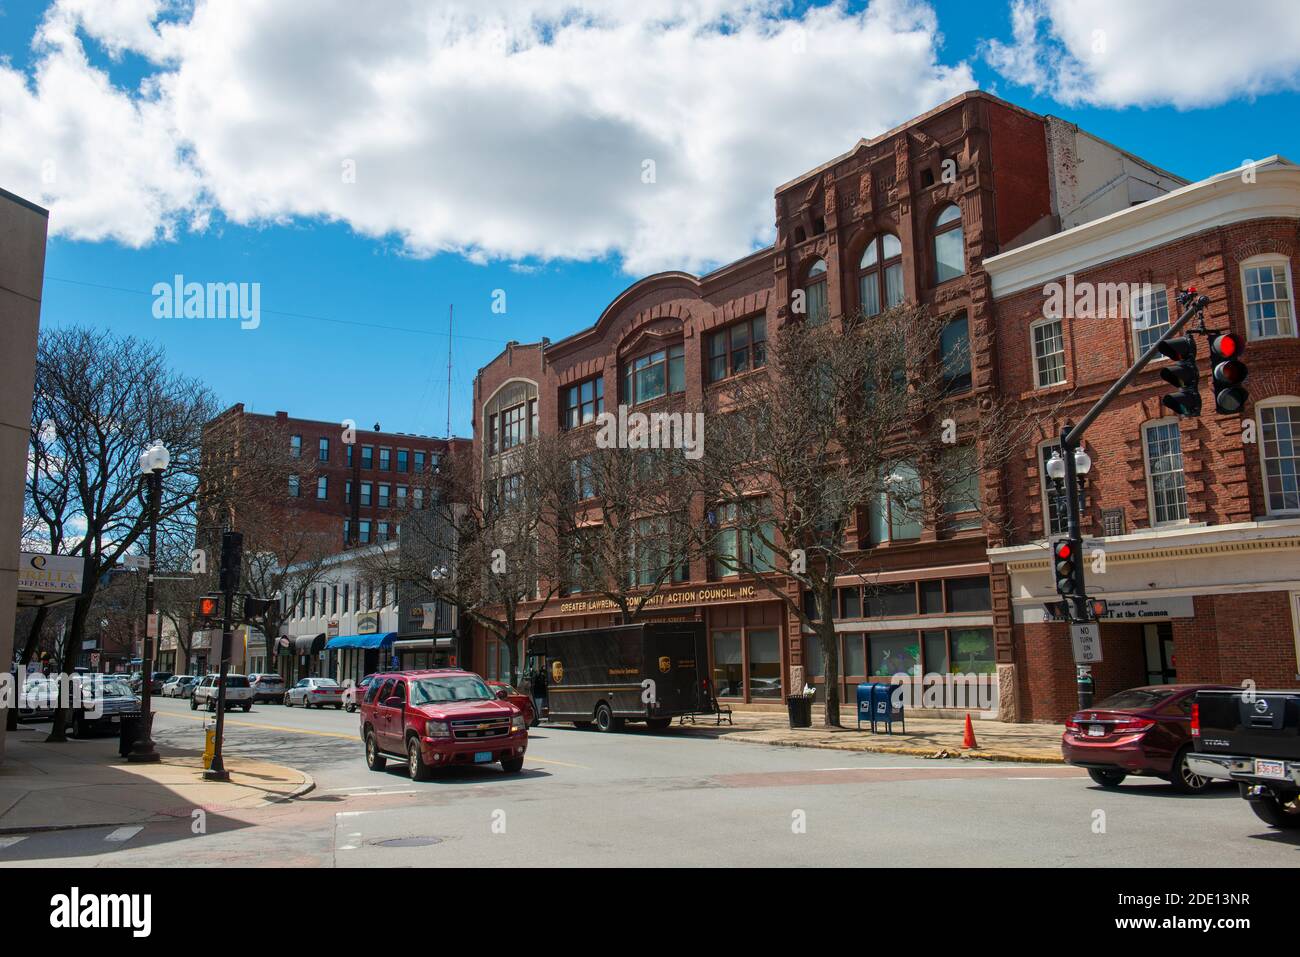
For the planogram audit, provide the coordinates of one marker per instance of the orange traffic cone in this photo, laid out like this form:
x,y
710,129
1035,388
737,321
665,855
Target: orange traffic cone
x,y
968,739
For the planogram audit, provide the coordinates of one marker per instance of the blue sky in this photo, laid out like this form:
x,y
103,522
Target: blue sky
x,y
184,143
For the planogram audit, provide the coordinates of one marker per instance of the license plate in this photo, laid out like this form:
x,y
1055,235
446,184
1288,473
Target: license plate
x,y
1096,731
482,757
1269,769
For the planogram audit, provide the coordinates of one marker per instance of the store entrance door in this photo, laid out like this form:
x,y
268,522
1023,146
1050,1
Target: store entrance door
x,y
1158,642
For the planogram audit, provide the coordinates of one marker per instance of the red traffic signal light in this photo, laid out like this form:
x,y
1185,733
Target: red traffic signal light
x,y
1063,550
207,608
1069,574
1183,373
1229,372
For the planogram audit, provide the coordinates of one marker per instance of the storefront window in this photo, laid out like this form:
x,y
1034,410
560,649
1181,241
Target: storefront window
x,y
936,652
968,595
971,651
764,663
728,665
895,652
855,662
812,657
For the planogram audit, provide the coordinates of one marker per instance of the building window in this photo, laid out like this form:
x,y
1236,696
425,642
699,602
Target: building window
x,y
385,459
345,597
381,532
1150,310
494,445
349,455
418,498
1057,519
401,496
367,456
880,275
383,495
583,402
656,374
738,348
650,554
364,531
295,446
1048,336
1279,429
895,514
962,494
1266,286
347,532
816,303
741,545
532,417
347,492
334,599
433,461
513,424
403,460
323,450
419,461
1165,480
949,245
582,472
365,493
293,486
954,350
322,488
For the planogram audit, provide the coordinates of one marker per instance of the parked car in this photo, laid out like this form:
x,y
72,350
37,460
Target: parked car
x,y
159,679
179,686
352,693
315,693
440,717
136,681
517,698
267,687
1143,731
238,693
1253,740
104,699
38,699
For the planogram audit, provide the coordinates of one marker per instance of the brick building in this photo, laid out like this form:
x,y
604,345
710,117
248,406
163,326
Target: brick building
x,y
912,215
1197,519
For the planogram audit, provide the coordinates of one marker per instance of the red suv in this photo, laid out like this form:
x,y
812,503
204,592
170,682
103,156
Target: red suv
x,y
435,718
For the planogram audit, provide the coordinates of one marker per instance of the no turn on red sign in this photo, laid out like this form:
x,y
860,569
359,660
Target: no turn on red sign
x,y
1086,639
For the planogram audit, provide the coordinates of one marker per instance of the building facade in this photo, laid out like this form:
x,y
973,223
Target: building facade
x,y
911,215
1191,525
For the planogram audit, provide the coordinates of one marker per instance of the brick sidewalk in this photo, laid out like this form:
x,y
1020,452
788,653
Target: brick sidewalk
x,y
925,737
88,784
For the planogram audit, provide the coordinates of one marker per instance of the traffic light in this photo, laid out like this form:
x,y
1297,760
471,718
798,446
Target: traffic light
x,y
257,608
207,610
1229,372
1184,374
1068,563
232,557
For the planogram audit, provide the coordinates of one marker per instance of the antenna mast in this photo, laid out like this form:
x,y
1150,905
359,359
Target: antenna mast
x,y
450,315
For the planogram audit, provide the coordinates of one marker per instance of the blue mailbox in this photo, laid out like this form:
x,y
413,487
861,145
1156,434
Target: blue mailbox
x,y
884,707
864,703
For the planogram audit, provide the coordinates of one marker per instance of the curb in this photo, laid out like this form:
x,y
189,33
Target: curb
x,y
933,753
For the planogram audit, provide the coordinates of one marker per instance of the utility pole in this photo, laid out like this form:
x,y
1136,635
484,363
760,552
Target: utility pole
x,y
451,309
1072,440
232,552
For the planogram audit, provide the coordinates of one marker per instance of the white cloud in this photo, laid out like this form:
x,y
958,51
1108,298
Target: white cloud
x,y
496,129
1184,53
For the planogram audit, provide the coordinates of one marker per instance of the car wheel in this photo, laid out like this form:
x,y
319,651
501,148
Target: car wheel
x,y
212,704
194,703
1106,777
1184,779
338,707
248,707
349,708
512,765
374,760
605,720
415,766
288,702
1275,812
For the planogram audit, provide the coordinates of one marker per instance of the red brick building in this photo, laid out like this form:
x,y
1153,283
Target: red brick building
x,y
914,214
1196,520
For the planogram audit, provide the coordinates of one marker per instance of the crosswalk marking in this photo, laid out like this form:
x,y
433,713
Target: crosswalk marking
x,y
11,841
124,833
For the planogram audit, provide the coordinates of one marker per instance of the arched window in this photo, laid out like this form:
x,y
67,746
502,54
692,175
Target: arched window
x,y
818,307
880,275
949,247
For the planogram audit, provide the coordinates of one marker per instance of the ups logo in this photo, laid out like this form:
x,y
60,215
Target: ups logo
x,y
557,671
665,664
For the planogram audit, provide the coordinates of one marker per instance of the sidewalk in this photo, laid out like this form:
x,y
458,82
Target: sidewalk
x,y
87,784
925,737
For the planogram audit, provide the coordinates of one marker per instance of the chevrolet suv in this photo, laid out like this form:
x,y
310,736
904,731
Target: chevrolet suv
x,y
238,693
440,717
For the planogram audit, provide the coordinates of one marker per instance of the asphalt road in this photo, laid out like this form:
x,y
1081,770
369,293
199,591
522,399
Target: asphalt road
x,y
650,799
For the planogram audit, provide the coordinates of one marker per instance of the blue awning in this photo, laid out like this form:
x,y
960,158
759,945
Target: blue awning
x,y
378,640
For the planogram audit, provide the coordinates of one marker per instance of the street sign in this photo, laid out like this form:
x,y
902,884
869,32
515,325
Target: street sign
x,y
151,628
136,562
1086,639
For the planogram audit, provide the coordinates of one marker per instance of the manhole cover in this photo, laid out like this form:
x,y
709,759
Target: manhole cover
x,y
407,842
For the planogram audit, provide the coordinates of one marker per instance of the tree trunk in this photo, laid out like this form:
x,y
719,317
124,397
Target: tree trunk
x,y
71,651
34,636
830,649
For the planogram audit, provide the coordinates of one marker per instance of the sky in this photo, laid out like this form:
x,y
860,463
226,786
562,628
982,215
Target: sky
x,y
524,161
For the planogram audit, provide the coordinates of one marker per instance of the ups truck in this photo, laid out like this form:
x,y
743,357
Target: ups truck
x,y
649,672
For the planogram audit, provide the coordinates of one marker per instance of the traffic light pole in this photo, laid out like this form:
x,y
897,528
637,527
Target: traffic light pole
x,y
231,552
1072,439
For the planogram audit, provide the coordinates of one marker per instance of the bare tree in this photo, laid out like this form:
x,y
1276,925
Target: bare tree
x,y
100,400
846,420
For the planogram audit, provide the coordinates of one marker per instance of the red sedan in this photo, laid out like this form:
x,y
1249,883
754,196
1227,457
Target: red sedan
x,y
1142,731
516,698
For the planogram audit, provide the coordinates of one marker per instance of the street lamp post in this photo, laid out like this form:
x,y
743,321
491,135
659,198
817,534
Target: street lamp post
x,y
153,462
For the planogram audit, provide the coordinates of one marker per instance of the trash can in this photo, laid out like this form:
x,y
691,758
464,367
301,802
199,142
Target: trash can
x,y
800,706
128,732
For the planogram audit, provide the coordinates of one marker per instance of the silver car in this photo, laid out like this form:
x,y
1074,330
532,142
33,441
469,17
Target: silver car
x,y
178,686
266,687
315,693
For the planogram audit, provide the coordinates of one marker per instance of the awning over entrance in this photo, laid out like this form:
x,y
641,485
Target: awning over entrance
x,y
432,643
361,641
309,644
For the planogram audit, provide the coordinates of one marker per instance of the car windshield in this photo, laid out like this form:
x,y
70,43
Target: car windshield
x,y
109,688
236,681
326,683
435,690
1135,699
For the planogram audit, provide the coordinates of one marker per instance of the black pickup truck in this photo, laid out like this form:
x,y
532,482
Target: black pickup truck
x,y
1253,739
